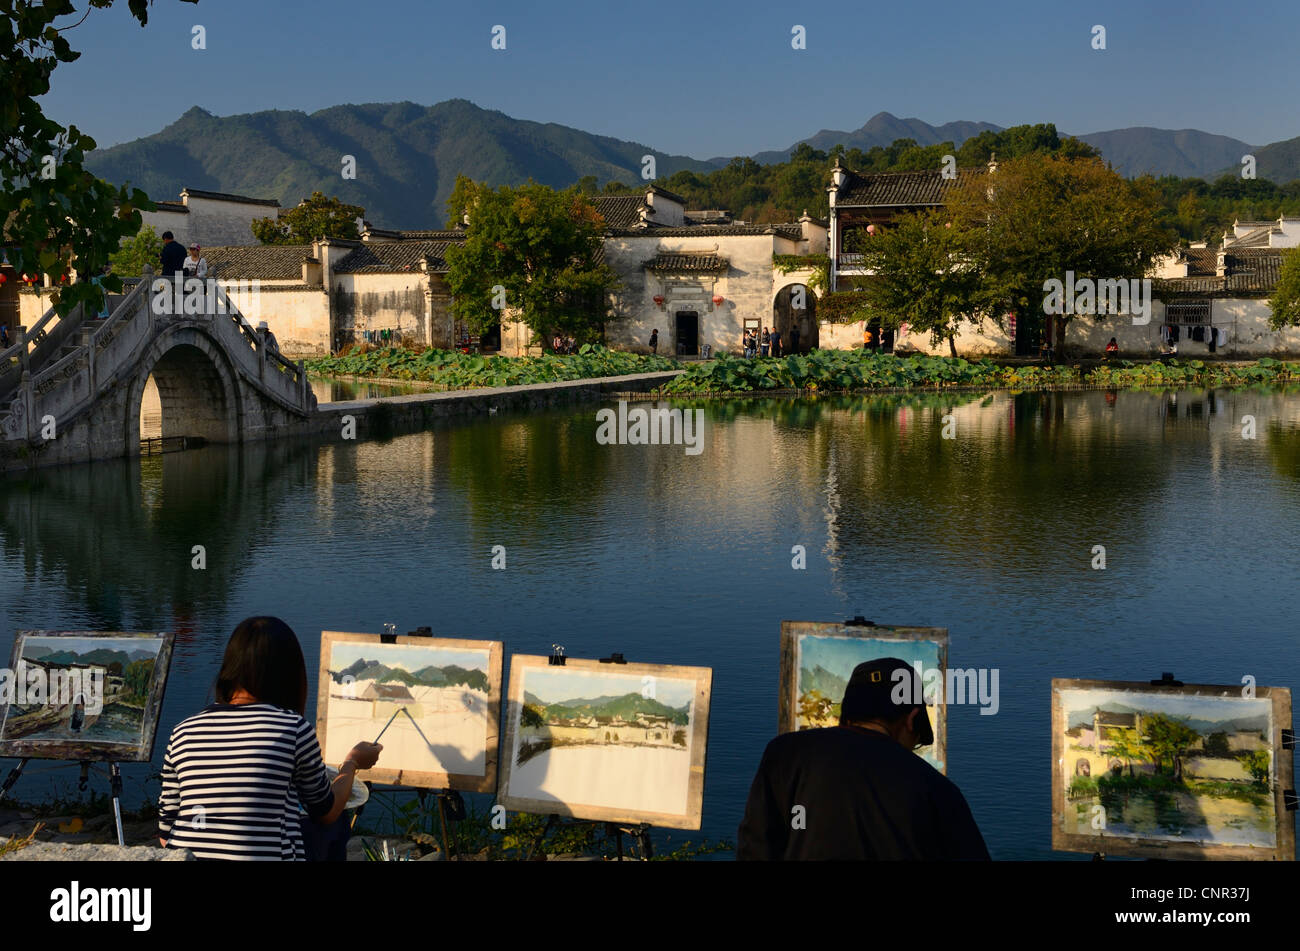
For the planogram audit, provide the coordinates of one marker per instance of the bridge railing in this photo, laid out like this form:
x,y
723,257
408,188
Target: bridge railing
x,y
35,346
269,357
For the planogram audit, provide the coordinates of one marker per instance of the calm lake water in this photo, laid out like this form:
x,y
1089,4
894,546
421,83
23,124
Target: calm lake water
x,y
686,559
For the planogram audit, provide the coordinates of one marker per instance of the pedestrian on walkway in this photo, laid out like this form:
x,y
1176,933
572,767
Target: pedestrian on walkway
x,y
776,343
654,340
172,256
766,341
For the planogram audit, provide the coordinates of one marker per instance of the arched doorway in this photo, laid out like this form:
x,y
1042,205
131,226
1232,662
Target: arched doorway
x,y
796,306
188,391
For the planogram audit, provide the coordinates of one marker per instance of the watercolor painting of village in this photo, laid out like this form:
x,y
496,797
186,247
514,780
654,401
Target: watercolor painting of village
x,y
818,659
434,704
593,741
100,696
1190,772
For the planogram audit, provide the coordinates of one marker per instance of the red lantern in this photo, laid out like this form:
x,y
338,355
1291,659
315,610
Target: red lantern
x,y
659,299
3,278
718,300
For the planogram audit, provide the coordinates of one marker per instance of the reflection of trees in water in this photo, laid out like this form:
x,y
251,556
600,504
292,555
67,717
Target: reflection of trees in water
x,y
534,476
120,534
1025,473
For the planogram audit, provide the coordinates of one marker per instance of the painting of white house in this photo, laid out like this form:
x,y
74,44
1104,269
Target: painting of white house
x,y
595,739
1167,766
427,703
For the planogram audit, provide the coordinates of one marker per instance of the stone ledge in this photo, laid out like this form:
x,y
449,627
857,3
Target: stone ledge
x,y
63,852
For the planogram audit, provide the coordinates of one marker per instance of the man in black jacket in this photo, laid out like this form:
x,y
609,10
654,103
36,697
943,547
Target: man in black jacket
x,y
172,256
858,791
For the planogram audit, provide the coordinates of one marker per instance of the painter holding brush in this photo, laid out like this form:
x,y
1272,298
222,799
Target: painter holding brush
x,y
235,774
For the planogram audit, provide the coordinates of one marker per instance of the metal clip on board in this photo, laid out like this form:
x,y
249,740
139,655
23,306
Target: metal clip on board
x,y
424,631
859,621
613,659
1166,680
557,657
1288,739
390,634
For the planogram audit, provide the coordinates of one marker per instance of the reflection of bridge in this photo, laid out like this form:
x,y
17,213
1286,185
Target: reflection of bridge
x,y
82,380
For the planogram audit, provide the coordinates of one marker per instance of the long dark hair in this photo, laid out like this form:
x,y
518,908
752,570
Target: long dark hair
x,y
265,659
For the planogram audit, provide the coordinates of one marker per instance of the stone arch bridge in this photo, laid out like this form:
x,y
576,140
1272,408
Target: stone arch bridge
x,y
83,380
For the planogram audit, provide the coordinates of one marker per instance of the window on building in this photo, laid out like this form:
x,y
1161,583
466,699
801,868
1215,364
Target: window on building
x,y
1188,312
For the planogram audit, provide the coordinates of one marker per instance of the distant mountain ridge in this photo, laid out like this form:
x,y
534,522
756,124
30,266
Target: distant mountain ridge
x,y
408,156
628,706
452,675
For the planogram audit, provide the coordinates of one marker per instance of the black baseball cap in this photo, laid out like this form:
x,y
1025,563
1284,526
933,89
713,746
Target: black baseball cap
x,y
885,689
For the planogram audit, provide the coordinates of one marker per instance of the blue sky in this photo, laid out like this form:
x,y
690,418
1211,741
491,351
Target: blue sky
x,y
840,655
701,79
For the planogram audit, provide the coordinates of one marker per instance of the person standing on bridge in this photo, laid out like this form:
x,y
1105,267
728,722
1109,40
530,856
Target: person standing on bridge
x,y
195,264
268,338
172,256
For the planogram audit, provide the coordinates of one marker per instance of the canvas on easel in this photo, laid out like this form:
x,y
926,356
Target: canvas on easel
x,y
1172,771
817,660
606,742
436,701
84,695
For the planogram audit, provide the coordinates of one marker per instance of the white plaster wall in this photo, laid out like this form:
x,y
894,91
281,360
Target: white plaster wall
x,y
298,316
381,302
178,223
223,222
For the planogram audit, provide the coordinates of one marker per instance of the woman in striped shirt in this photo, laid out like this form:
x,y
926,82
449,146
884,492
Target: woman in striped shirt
x,y
235,774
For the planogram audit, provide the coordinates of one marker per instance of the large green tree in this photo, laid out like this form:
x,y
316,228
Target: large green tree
x,y
1040,216
1285,302
319,216
130,259
1167,741
55,214
923,277
534,252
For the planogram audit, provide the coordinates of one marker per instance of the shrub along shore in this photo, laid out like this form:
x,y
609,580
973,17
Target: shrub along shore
x,y
825,371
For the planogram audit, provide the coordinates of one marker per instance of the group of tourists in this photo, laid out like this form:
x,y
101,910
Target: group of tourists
x,y
564,344
175,259
768,343
245,779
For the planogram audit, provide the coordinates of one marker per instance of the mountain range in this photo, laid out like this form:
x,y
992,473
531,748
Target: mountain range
x,y
449,676
1247,724
101,655
823,681
627,706
407,156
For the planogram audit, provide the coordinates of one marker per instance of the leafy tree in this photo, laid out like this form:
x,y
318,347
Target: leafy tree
x,y
136,678
1285,302
922,276
131,258
1256,762
816,707
531,716
1040,216
53,211
1167,741
1216,744
534,250
1128,746
315,217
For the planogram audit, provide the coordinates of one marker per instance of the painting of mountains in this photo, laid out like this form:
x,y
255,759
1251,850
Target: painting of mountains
x,y
817,661
1170,772
433,703
600,742
99,695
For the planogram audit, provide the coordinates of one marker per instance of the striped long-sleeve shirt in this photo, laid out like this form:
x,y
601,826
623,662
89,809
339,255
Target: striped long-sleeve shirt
x,y
232,780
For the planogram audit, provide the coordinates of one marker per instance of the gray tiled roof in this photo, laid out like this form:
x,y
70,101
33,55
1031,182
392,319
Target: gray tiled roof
x,y
222,196
698,231
620,211
258,262
172,206
395,256
1251,272
687,261
671,196
426,235
901,188
1201,261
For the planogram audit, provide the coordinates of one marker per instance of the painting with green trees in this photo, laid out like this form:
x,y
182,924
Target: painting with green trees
x,y
1180,770
817,661
83,695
